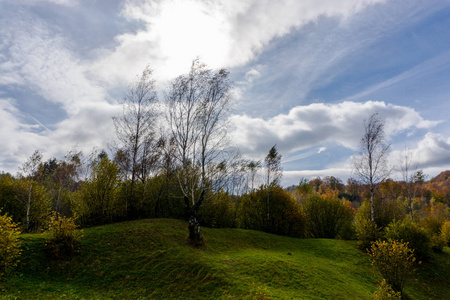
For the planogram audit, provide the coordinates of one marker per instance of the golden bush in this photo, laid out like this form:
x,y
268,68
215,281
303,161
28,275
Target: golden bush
x,y
9,245
395,261
64,238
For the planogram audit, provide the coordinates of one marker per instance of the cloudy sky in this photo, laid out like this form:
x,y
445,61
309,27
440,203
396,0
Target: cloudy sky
x,y
306,73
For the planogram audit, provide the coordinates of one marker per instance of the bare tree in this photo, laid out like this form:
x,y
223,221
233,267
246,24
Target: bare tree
x,y
198,105
371,165
136,129
408,169
253,168
274,173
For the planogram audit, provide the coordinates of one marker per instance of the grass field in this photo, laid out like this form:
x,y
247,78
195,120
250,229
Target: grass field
x,y
151,259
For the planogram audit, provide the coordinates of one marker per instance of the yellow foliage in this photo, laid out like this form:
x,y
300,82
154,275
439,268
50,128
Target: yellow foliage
x,y
9,245
63,239
386,292
445,232
395,261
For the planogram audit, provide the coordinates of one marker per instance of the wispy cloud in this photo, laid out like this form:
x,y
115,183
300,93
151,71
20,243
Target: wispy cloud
x,y
432,65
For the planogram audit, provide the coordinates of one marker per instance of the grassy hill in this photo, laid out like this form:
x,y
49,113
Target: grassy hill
x,y
151,259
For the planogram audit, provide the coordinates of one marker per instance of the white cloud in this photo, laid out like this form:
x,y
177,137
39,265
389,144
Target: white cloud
x,y
321,149
293,177
307,126
18,138
37,58
221,33
430,152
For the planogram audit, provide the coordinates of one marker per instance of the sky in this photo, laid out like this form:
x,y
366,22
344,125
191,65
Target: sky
x,y
306,74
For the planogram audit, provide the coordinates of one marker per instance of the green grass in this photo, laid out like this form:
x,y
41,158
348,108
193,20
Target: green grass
x,y
151,259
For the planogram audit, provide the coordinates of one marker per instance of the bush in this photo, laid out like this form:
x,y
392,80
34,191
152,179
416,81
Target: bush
x,y
9,245
386,211
219,212
64,238
386,292
367,232
437,243
285,216
416,236
445,233
327,217
435,218
395,261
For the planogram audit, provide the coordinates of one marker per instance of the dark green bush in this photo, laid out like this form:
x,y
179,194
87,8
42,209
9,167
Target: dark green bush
x,y
417,237
366,232
271,210
327,217
218,211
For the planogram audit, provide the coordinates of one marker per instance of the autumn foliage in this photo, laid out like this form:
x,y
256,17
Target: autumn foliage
x,y
395,261
64,238
9,245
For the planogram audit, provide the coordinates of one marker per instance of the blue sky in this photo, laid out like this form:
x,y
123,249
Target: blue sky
x,y
306,74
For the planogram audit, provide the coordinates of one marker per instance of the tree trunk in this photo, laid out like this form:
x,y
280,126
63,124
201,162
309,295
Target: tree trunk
x,y
29,206
194,228
372,207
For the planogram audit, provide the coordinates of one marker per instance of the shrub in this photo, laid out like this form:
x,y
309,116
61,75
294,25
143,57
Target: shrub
x,y
327,217
395,261
416,236
437,243
9,245
219,212
64,238
445,233
285,216
386,211
386,292
366,232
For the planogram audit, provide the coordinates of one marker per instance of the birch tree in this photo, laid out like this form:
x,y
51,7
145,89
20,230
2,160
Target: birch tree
x,y
274,173
136,130
371,164
34,195
198,106
408,169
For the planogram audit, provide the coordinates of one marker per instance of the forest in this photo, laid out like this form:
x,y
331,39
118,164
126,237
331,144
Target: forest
x,y
173,158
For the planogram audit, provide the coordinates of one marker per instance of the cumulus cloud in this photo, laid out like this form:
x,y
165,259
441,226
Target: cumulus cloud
x,y
222,33
433,151
293,177
314,124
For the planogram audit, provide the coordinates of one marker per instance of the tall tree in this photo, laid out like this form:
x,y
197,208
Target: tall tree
x,y
274,173
198,105
136,129
408,169
29,173
253,168
97,201
371,164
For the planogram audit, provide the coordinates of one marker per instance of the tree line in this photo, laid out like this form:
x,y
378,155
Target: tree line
x,y
173,158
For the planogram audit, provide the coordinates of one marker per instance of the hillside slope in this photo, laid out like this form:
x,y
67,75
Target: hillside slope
x,y
151,259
